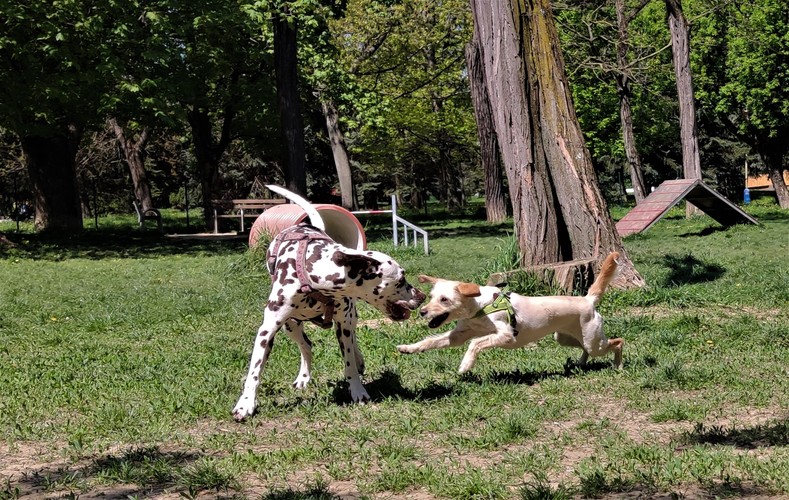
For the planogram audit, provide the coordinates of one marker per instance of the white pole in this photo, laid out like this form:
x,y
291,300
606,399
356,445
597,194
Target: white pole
x,y
394,219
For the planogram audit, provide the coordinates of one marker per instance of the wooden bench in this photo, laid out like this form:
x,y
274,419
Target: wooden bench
x,y
144,215
241,209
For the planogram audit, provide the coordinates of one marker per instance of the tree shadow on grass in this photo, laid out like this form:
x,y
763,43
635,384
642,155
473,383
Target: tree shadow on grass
x,y
316,492
757,436
146,471
706,231
687,269
113,244
600,485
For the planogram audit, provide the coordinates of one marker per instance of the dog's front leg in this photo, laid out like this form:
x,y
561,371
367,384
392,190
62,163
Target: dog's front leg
x,y
453,338
505,337
264,342
345,319
295,330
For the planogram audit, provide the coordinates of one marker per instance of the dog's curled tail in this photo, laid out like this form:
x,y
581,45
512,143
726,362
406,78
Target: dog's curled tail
x,y
604,278
315,218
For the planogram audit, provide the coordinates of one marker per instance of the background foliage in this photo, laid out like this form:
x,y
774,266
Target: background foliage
x,y
396,71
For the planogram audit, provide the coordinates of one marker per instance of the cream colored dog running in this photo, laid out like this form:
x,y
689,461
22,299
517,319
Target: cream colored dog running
x,y
485,314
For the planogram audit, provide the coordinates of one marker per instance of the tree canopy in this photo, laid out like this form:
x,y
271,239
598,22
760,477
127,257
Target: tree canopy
x,y
200,79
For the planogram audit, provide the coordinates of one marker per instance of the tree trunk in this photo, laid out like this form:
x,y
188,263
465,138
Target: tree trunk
x,y
340,153
134,153
533,202
781,191
286,68
774,162
208,153
51,167
680,47
559,212
495,208
625,112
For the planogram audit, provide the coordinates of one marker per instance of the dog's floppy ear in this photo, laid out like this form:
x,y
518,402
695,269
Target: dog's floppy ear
x,y
423,278
354,260
469,290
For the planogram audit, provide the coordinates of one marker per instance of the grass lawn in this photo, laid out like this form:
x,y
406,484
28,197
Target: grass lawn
x,y
122,354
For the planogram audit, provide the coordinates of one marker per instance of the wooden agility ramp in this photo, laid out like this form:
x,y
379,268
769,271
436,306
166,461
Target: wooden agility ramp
x,y
668,194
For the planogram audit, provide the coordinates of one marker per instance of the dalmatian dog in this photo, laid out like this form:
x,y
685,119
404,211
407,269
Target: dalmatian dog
x,y
315,279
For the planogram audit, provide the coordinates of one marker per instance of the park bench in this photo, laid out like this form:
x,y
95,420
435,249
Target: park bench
x,y
241,209
145,215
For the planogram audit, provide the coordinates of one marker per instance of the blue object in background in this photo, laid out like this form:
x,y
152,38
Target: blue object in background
x,y
746,196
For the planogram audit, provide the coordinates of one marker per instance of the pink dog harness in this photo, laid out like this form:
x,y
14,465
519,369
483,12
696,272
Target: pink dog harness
x,y
294,233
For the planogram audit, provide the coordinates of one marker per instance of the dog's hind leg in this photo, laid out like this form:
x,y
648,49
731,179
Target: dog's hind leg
x,y
264,342
295,330
570,341
597,344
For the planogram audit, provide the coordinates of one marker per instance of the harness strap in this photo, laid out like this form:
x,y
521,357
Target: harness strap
x,y
501,302
303,239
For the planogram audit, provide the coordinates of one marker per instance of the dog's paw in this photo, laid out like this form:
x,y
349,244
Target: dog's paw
x,y
359,394
301,381
406,349
243,410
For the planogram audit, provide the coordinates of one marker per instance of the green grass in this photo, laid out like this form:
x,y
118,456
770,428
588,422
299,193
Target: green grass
x,y
122,354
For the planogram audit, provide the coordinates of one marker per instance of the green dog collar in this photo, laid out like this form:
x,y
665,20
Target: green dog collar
x,y
501,302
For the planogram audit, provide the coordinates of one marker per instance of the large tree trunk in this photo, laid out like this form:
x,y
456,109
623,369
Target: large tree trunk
x,y
560,214
286,68
680,47
340,154
51,167
495,208
625,112
533,202
134,153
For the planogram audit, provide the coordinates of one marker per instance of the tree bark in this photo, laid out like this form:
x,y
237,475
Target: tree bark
x,y
680,47
134,153
532,197
340,154
625,111
292,124
781,191
51,167
773,160
208,153
495,208
559,212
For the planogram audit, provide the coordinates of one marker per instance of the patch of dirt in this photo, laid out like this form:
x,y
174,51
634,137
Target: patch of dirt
x,y
29,466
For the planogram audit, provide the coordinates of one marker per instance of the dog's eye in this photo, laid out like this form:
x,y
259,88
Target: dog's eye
x,y
444,300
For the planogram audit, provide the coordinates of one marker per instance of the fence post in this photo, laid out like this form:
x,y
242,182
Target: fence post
x,y
394,219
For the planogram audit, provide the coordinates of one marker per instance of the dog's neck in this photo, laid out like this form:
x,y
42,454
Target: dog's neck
x,y
488,294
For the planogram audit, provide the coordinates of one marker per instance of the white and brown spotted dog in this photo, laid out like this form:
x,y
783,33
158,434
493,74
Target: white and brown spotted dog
x,y
495,319
314,278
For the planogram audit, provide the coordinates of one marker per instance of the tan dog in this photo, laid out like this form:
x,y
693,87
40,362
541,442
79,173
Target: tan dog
x,y
486,315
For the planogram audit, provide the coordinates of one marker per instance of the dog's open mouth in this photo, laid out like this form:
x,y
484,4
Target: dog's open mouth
x,y
398,311
438,320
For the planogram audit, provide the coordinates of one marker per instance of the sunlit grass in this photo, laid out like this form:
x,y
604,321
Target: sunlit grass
x,y
122,353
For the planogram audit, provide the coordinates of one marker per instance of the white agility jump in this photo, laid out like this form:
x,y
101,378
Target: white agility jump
x,y
407,227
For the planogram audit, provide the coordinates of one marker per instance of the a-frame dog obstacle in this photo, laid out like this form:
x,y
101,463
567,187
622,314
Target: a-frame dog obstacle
x,y
668,194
